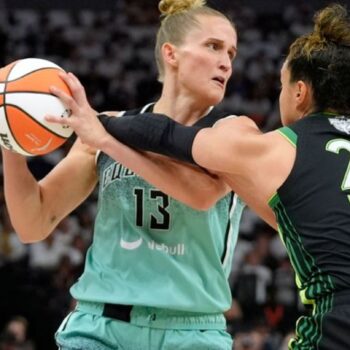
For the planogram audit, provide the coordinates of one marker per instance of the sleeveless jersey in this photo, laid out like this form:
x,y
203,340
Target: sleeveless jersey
x,y
313,205
151,250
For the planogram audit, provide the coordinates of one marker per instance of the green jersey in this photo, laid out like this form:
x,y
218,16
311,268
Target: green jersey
x,y
149,249
313,214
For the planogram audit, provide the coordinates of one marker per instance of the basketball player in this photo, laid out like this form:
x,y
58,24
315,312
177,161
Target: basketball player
x,y
300,171
156,273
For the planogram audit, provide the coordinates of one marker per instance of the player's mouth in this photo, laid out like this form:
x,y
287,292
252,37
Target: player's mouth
x,y
220,81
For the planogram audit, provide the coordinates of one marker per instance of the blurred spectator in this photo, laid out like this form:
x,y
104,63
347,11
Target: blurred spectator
x,y
251,288
285,295
47,254
14,335
11,249
285,341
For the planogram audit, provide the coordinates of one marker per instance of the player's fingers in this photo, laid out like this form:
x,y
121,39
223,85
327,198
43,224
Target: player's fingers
x,y
77,89
57,119
67,100
75,79
67,78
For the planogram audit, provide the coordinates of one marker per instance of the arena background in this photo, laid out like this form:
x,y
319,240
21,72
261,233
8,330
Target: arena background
x,y
109,45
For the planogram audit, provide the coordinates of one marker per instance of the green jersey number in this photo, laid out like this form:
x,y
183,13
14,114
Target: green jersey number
x,y
336,146
162,222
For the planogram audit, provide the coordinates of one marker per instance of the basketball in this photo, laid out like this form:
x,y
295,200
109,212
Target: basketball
x,y
25,99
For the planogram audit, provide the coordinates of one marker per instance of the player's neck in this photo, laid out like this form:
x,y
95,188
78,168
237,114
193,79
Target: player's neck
x,y
183,110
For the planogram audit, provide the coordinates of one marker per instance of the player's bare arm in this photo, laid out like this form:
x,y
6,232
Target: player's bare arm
x,y
236,141
190,185
36,208
184,182
245,150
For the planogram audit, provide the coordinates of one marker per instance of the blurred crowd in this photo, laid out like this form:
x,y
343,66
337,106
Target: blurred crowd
x,y
112,54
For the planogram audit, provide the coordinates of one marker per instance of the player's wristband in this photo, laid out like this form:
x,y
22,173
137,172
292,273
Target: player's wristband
x,y
153,132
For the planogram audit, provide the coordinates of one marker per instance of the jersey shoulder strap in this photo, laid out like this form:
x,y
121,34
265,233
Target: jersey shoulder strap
x,y
211,118
145,109
207,121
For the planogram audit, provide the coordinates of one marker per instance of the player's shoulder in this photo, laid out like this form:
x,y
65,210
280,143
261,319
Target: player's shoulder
x,y
238,123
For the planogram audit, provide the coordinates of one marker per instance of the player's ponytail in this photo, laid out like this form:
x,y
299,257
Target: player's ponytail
x,y
170,7
332,25
322,58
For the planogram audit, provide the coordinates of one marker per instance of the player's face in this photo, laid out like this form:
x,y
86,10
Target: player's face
x,y
205,59
288,106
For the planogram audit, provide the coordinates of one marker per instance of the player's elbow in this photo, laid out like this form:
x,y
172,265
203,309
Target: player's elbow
x,y
28,239
29,235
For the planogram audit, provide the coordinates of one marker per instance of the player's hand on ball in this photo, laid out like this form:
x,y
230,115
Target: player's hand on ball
x,y
82,118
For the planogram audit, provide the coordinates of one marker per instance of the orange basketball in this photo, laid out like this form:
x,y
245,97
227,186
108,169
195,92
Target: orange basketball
x,y
25,99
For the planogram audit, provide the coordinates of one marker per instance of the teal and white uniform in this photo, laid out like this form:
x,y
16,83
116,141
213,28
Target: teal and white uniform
x,y
157,254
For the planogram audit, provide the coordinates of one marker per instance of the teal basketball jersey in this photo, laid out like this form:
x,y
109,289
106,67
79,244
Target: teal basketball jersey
x,y
151,250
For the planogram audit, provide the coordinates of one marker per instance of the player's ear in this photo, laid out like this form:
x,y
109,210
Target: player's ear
x,y
169,53
303,95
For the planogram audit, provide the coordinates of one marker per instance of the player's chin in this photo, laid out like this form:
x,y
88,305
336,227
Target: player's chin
x,y
214,98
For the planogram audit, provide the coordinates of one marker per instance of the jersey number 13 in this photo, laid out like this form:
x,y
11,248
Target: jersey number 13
x,y
162,220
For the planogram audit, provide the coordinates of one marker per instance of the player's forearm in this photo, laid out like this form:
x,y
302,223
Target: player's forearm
x,y
153,132
188,184
22,194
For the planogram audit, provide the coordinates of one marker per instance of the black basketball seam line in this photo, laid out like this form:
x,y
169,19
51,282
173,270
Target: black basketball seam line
x,y
5,112
5,104
27,92
5,82
5,85
12,134
21,109
32,71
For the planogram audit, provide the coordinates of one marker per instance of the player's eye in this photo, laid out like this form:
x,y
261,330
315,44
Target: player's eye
x,y
213,46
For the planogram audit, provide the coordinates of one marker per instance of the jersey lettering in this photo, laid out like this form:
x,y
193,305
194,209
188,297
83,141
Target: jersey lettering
x,y
336,146
159,220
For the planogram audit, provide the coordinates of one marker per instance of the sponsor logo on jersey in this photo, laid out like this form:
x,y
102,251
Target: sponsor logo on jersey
x,y
130,245
341,123
177,249
115,172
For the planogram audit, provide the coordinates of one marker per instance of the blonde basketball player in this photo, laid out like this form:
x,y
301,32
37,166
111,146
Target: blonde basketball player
x,y
156,273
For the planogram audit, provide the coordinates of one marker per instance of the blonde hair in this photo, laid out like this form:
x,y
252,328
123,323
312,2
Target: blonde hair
x,y
178,17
